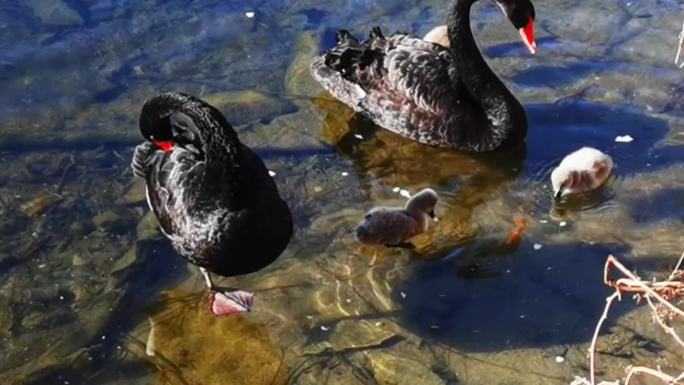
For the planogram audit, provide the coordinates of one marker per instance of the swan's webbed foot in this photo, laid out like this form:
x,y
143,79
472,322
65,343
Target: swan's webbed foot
x,y
226,301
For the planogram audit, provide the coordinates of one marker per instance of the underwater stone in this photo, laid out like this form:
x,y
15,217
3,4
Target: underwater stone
x,y
43,201
353,334
148,227
6,316
32,320
247,106
126,260
111,221
105,219
135,194
391,369
298,80
54,12
78,260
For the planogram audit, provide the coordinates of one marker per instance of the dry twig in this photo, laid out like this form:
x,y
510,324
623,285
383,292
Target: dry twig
x,y
663,311
680,47
651,372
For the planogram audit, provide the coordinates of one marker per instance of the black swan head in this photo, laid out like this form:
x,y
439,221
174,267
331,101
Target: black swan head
x,y
521,14
163,123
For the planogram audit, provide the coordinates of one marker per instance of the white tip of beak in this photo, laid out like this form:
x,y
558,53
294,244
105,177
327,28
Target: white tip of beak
x,y
530,46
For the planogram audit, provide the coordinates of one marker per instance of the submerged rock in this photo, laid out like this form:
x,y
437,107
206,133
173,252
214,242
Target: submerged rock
x,y
201,348
126,261
395,370
113,221
148,227
6,316
32,320
54,12
247,106
298,80
353,334
43,201
136,193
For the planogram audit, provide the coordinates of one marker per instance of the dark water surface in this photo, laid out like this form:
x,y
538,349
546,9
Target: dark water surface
x,y
90,293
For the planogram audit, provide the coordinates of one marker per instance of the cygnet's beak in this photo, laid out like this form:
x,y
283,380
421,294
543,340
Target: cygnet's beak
x,y
432,214
559,193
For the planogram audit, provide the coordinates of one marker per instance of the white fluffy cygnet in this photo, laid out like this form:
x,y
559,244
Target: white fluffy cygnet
x,y
438,35
393,226
584,170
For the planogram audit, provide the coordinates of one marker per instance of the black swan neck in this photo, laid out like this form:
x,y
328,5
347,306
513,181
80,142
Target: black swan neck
x,y
505,116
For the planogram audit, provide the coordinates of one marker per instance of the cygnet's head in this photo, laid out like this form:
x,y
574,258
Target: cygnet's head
x,y
438,35
560,179
424,201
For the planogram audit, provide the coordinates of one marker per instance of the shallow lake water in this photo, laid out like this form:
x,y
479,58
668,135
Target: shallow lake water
x,y
91,293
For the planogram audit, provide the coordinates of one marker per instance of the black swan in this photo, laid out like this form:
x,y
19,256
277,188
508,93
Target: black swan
x,y
444,97
393,227
212,196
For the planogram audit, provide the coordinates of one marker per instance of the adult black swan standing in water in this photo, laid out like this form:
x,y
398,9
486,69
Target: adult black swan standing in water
x,y
212,195
445,97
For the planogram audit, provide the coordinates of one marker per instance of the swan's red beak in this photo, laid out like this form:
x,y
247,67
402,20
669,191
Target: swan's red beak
x,y
167,146
527,36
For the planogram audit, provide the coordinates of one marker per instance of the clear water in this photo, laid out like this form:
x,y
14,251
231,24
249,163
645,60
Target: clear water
x,y
90,293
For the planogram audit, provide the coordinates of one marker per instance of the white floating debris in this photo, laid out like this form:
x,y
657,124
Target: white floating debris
x,y
624,139
250,14
563,224
358,136
104,338
396,189
61,298
325,328
348,300
378,324
522,316
434,326
309,317
344,173
405,193
537,246
318,188
403,295
271,173
543,221
560,359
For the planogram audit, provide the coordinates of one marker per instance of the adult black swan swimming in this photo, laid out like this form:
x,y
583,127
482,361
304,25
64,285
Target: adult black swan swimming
x,y
212,195
444,97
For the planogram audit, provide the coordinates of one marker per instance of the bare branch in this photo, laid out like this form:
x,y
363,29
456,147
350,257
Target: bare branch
x,y
651,372
592,348
680,47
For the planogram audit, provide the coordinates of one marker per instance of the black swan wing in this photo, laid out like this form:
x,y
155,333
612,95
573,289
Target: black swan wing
x,y
172,184
402,83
